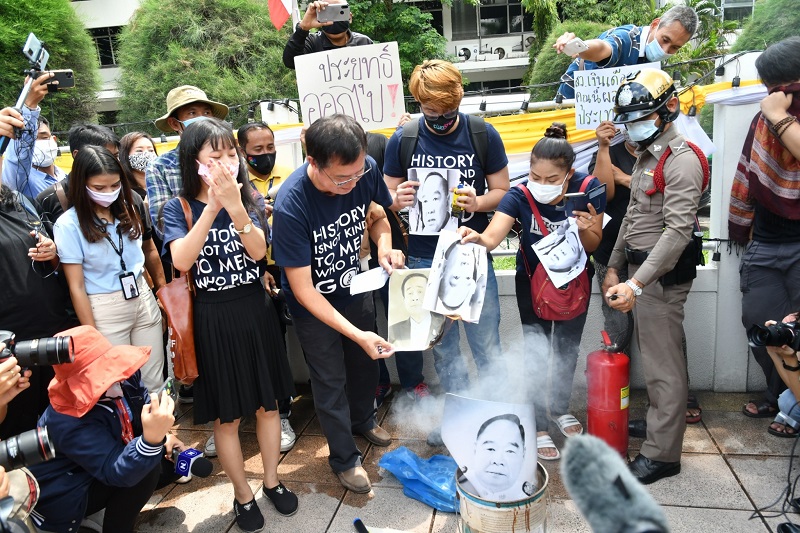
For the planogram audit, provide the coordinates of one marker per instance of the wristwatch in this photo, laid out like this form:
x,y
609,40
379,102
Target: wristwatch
x,y
247,227
637,290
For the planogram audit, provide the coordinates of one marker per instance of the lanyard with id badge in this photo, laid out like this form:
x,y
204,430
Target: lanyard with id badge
x,y
127,280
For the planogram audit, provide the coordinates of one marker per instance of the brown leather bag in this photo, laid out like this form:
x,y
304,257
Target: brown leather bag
x,y
177,298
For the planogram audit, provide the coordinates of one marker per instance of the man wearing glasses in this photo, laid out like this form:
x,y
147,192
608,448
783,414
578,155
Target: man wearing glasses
x,y
319,219
446,142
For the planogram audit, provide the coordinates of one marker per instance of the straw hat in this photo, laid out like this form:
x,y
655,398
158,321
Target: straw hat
x,y
79,385
188,94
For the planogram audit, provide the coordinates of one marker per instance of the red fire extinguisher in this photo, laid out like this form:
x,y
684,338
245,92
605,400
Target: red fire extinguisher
x,y
608,384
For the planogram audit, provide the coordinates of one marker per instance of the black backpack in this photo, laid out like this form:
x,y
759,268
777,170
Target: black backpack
x,y
477,134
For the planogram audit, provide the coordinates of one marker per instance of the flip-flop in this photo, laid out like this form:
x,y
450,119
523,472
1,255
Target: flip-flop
x,y
567,421
787,424
692,403
763,407
546,442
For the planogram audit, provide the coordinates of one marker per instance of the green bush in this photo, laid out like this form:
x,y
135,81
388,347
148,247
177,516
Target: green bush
x,y
228,48
549,66
772,21
55,23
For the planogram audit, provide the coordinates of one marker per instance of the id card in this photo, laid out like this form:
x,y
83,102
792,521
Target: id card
x,y
129,288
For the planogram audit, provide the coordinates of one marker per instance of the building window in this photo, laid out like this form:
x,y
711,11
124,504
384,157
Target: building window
x,y
737,10
501,17
434,7
465,20
105,40
494,87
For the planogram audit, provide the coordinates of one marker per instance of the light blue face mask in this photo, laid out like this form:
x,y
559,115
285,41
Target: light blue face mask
x,y
192,120
641,130
654,52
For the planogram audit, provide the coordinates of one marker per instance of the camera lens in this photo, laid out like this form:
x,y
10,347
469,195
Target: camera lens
x,y
26,449
774,335
45,351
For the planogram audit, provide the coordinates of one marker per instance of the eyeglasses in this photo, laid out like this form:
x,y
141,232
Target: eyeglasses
x,y
356,177
447,116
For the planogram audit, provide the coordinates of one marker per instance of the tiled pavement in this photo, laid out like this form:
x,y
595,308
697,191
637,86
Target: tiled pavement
x,y
731,467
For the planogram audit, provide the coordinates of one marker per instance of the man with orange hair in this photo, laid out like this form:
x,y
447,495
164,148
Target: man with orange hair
x,y
444,138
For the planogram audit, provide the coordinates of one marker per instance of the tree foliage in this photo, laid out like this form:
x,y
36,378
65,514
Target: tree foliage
x,y
610,12
772,21
385,21
711,39
70,47
228,48
545,16
549,66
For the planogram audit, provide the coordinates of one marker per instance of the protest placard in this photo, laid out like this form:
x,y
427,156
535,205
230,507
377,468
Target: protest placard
x,y
360,81
595,90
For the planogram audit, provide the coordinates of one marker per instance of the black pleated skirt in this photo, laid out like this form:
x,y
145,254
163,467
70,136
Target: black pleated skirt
x,y
241,358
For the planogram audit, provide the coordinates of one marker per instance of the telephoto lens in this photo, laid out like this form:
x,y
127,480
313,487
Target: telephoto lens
x,y
26,449
46,351
775,335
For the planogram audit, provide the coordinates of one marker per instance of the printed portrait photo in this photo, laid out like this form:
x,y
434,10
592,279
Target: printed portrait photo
x,y
410,326
430,212
494,445
562,253
457,282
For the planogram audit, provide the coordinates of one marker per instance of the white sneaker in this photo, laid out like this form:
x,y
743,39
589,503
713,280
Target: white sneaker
x,y
288,437
210,449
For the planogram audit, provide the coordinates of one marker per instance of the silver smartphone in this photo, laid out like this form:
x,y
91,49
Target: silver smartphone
x,y
35,52
575,46
334,13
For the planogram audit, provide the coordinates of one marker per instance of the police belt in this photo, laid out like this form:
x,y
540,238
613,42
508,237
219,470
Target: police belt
x,y
635,257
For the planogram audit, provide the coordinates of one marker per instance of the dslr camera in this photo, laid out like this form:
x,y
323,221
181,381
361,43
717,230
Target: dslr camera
x,y
46,351
26,449
775,335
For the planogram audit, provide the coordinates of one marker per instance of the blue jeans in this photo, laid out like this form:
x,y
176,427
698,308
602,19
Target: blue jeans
x,y
483,339
787,405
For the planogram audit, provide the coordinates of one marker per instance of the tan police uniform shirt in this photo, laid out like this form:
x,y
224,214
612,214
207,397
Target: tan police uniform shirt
x,y
661,224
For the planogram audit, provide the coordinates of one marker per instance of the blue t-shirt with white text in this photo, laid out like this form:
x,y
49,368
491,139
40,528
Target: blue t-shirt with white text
x,y
515,204
451,151
324,232
223,262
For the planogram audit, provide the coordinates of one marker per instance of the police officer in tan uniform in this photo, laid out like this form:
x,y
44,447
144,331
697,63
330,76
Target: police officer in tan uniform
x,y
656,232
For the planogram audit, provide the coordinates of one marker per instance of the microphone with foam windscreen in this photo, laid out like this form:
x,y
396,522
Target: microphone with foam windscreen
x,y
604,490
190,462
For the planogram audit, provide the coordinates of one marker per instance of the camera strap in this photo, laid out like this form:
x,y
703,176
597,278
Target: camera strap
x,y
125,415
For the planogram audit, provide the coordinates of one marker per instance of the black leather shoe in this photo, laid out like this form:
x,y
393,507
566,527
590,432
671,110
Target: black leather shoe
x,y
637,428
647,471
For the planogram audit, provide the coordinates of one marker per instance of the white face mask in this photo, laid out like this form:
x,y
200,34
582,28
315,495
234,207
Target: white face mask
x,y
641,130
654,52
545,193
45,152
104,199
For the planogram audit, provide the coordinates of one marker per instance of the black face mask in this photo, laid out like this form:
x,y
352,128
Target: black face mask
x,y
441,125
262,163
339,26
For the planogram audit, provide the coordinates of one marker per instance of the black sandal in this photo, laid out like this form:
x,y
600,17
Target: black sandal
x,y
692,403
763,407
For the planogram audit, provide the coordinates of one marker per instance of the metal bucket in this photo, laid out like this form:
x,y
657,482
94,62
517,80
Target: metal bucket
x,y
522,516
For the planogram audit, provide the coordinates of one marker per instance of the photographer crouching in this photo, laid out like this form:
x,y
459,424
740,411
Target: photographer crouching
x,y
109,434
782,342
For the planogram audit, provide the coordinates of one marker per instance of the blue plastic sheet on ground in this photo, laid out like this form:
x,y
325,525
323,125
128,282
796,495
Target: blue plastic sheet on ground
x,y
430,481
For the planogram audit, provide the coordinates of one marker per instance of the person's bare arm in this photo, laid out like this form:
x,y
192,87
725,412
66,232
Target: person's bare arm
x,y
775,108
152,262
493,235
603,168
403,192
300,281
77,291
598,49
